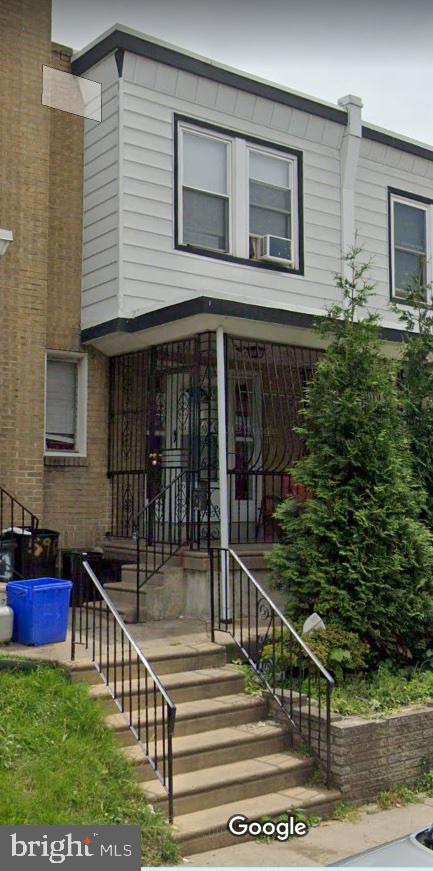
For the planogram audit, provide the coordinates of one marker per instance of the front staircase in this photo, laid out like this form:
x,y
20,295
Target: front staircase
x,y
179,586
229,754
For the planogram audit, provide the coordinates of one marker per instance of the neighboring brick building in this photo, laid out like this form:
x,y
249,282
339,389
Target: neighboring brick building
x,y
40,285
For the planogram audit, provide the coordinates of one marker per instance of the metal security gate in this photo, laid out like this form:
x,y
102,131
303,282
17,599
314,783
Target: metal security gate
x,y
266,385
164,422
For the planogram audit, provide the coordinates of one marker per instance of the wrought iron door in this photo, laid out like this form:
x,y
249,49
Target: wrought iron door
x,y
266,384
163,422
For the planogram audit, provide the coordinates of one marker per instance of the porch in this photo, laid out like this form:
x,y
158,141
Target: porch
x,y
169,445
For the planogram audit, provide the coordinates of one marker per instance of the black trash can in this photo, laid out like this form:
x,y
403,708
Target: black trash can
x,y
35,555
72,570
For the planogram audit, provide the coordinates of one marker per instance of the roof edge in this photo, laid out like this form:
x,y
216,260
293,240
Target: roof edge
x,y
214,306
122,38
173,56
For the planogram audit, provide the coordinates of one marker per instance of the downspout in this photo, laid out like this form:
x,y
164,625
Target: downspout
x,y
349,157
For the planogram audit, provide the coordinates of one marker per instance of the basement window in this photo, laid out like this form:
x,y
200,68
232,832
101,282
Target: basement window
x,y
65,404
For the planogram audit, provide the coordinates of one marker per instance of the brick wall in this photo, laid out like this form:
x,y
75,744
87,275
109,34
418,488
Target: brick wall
x,y
368,756
371,755
40,284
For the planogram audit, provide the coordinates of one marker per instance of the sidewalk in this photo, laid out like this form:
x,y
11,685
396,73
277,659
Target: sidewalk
x,y
328,843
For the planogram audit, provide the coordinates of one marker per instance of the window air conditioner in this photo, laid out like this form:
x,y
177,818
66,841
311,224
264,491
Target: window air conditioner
x,y
275,248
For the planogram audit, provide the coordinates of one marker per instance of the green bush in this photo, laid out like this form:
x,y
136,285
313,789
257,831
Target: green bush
x,y
416,383
382,691
358,553
340,651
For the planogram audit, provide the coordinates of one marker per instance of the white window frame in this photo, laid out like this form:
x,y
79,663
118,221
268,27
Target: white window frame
x,y
427,208
207,134
269,152
80,360
238,179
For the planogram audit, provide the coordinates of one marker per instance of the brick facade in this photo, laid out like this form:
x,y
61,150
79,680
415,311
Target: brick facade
x,y
40,284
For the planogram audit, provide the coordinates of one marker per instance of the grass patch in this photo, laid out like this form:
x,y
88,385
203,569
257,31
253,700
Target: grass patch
x,y
382,692
344,811
369,695
253,686
398,796
60,765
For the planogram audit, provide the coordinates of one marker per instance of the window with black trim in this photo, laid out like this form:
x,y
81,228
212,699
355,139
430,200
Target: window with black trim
x,y
271,206
410,233
205,191
238,197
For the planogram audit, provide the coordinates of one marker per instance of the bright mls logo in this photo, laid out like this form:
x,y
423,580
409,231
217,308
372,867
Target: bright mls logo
x,y
95,847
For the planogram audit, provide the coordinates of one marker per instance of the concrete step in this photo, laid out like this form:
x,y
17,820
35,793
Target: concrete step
x,y
185,686
222,746
207,829
237,781
167,660
200,715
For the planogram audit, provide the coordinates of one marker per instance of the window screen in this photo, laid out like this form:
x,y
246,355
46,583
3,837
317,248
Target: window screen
x,y
205,199
270,196
61,405
409,246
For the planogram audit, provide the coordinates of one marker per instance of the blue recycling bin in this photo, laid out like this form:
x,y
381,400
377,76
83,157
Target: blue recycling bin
x,y
40,607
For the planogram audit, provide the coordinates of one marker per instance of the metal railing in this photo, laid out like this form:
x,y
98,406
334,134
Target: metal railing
x,y
16,559
162,528
254,494
149,711
294,676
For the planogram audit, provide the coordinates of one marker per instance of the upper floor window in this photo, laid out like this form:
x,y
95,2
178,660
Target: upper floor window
x,y
65,404
410,244
238,197
270,205
205,191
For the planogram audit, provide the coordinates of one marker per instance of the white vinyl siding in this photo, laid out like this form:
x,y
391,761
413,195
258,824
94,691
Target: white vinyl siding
x,y
152,272
147,272
382,167
100,275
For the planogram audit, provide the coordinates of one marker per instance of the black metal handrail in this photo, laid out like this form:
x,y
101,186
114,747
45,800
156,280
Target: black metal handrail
x,y
134,685
161,528
14,515
297,680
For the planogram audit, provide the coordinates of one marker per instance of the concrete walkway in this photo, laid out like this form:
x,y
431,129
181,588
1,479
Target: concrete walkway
x,y
328,843
152,638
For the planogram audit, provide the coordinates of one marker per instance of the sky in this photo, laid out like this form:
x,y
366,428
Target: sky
x,y
380,50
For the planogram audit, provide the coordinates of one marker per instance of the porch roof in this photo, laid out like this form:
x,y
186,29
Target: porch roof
x,y
183,319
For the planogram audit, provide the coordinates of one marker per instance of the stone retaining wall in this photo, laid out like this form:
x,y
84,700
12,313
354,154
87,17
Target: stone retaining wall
x,y
371,755
368,756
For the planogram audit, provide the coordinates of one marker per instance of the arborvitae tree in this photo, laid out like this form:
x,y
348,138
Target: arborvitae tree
x,y
417,384
356,551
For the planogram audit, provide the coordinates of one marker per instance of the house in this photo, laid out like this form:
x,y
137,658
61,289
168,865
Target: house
x,y
217,210
158,302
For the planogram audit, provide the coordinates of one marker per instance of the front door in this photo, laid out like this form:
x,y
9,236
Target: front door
x,y
169,455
